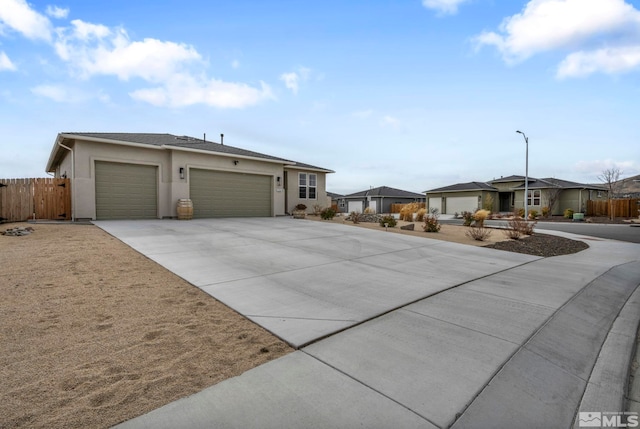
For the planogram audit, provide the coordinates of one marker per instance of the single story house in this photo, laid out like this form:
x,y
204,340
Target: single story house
x,y
379,199
506,194
142,176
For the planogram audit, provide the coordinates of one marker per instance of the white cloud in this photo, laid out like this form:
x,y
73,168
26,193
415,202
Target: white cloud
x,y
596,167
57,12
185,90
18,16
362,114
95,49
607,60
547,25
292,79
443,6
65,94
390,121
5,63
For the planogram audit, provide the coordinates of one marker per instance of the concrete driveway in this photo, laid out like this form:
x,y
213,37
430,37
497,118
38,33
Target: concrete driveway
x,y
402,331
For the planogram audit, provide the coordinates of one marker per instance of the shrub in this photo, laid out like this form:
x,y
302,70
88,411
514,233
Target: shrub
x,y
533,214
478,233
456,215
407,211
355,217
369,210
467,218
301,207
431,224
420,214
328,213
488,203
480,217
568,213
517,227
317,209
389,220
546,211
519,213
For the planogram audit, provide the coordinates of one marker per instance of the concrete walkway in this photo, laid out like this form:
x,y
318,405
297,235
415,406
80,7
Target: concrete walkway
x,y
401,331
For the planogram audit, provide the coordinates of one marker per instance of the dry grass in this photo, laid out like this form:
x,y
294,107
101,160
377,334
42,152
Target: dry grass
x,y
93,333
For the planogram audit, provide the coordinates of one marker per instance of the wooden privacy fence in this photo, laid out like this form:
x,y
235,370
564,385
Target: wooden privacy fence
x,y
44,198
621,207
395,208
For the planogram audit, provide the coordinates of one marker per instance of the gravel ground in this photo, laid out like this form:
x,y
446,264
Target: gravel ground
x,y
541,245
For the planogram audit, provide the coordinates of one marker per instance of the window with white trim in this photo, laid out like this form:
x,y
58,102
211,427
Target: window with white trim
x,y
307,186
533,197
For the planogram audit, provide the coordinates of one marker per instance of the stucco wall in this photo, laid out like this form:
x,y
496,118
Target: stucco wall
x,y
292,190
170,186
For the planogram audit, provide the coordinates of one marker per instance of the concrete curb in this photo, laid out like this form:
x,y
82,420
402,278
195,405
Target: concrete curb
x,y
607,386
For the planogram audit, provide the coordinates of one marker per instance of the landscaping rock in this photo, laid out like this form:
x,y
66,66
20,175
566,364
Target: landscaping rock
x,y
17,231
409,227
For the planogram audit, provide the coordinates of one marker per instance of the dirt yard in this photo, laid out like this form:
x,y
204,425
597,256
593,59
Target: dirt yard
x,y
93,333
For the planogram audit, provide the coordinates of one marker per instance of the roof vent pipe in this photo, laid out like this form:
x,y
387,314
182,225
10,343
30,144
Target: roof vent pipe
x,y
205,137
221,138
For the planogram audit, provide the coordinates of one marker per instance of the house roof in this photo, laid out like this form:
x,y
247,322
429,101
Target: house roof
x,y
173,142
469,186
512,178
552,182
333,195
385,191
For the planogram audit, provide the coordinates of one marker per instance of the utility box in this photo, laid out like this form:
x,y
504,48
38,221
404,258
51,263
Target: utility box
x,y
578,217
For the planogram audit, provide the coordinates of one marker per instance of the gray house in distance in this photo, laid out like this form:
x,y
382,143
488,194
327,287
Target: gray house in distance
x,y
379,199
506,194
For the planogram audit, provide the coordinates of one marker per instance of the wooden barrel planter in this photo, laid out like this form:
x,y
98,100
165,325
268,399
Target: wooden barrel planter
x,y
185,209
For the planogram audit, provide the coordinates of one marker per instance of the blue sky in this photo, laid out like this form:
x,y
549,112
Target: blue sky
x,y
404,93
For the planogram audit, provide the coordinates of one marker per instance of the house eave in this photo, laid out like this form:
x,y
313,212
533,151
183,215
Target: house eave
x,y
293,165
226,155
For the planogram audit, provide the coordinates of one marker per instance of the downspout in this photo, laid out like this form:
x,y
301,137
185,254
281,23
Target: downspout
x,y
73,185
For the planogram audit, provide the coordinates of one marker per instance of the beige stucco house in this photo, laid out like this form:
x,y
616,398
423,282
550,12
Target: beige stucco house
x,y
506,194
142,176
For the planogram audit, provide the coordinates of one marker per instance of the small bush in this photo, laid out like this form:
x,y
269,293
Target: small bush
x,y
389,220
407,211
420,214
456,215
519,213
301,207
467,218
355,217
369,210
546,211
480,217
533,214
488,203
431,224
317,209
478,233
568,213
517,227
328,213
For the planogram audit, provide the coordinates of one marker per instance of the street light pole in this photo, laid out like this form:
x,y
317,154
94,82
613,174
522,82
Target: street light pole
x,y
526,177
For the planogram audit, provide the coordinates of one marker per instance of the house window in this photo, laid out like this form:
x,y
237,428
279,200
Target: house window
x,y
341,205
533,197
307,185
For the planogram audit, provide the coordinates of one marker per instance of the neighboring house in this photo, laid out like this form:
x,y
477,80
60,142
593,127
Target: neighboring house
x,y
506,194
380,199
627,188
142,176
337,201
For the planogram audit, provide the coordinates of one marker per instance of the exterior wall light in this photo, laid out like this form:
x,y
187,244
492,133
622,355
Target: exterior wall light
x,y
181,172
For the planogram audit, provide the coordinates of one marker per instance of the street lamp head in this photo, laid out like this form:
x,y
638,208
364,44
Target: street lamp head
x,y
519,132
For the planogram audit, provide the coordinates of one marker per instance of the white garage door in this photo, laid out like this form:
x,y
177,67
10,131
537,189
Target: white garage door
x,y
355,206
435,203
126,191
224,194
460,204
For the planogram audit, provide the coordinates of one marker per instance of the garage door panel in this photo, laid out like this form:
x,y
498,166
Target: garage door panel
x,y
227,194
461,204
126,191
435,203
